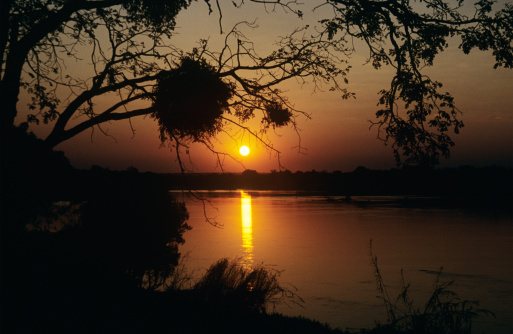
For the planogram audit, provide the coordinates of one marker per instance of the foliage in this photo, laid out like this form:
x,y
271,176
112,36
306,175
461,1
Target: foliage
x,y
133,58
277,114
228,285
443,313
135,227
81,248
190,100
38,38
129,45
180,279
415,116
28,192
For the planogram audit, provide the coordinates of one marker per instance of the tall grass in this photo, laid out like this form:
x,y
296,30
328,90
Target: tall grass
x,y
443,313
229,285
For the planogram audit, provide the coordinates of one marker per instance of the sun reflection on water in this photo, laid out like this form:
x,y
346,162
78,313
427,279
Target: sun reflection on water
x,y
247,228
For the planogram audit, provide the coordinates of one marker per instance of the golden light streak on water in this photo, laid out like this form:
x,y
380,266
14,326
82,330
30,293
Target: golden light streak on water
x,y
247,228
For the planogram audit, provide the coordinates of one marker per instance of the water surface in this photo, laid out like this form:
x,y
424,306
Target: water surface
x,y
321,245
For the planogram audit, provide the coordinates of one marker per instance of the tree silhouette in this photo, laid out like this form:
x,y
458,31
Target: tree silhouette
x,y
135,227
126,230
415,116
130,46
134,60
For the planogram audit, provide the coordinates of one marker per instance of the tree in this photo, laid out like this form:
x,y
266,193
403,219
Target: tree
x,y
415,116
130,46
132,233
34,34
131,229
129,43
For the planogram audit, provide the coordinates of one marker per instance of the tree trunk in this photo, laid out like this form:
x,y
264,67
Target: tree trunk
x,y
10,90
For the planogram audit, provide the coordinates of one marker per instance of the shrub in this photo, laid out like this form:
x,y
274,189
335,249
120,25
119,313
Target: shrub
x,y
227,284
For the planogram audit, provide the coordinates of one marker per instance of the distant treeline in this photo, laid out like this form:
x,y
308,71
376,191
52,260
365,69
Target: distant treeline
x,y
362,181
484,182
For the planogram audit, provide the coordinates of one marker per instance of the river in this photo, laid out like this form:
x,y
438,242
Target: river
x,y
321,246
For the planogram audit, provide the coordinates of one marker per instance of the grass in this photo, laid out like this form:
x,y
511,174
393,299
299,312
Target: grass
x,y
443,313
229,285
231,296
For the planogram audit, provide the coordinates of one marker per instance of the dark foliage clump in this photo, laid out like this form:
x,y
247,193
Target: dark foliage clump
x,y
32,176
229,285
190,100
155,13
136,229
78,248
277,114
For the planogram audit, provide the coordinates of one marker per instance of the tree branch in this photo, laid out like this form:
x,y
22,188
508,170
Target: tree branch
x,y
102,118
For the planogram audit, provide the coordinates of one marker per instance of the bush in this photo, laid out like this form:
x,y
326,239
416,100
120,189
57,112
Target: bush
x,y
227,284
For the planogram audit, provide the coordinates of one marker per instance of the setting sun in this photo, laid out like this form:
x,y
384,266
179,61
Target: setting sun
x,y
244,150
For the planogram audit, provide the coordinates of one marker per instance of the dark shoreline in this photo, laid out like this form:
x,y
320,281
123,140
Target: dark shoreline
x,y
463,187
362,181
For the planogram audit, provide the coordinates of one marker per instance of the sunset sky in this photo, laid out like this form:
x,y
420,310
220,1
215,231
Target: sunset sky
x,y
338,136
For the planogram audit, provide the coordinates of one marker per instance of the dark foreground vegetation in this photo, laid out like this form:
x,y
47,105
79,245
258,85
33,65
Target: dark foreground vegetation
x,y
97,252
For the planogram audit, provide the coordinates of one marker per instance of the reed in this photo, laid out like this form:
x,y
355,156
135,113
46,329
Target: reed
x,y
443,313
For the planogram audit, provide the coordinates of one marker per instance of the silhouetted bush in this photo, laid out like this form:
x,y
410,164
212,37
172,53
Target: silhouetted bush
x,y
135,228
227,284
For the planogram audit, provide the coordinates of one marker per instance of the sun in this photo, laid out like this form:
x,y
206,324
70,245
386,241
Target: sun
x,y
244,150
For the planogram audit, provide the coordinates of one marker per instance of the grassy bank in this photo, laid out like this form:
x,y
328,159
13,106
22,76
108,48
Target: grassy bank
x,y
230,298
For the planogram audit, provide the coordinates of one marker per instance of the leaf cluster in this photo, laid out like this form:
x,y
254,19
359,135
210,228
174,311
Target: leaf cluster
x,y
277,114
137,235
190,100
415,115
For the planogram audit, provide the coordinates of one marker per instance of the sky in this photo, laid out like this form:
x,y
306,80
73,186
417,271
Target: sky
x,y
337,137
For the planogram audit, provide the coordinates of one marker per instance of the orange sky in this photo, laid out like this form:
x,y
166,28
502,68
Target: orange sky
x,y
338,136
